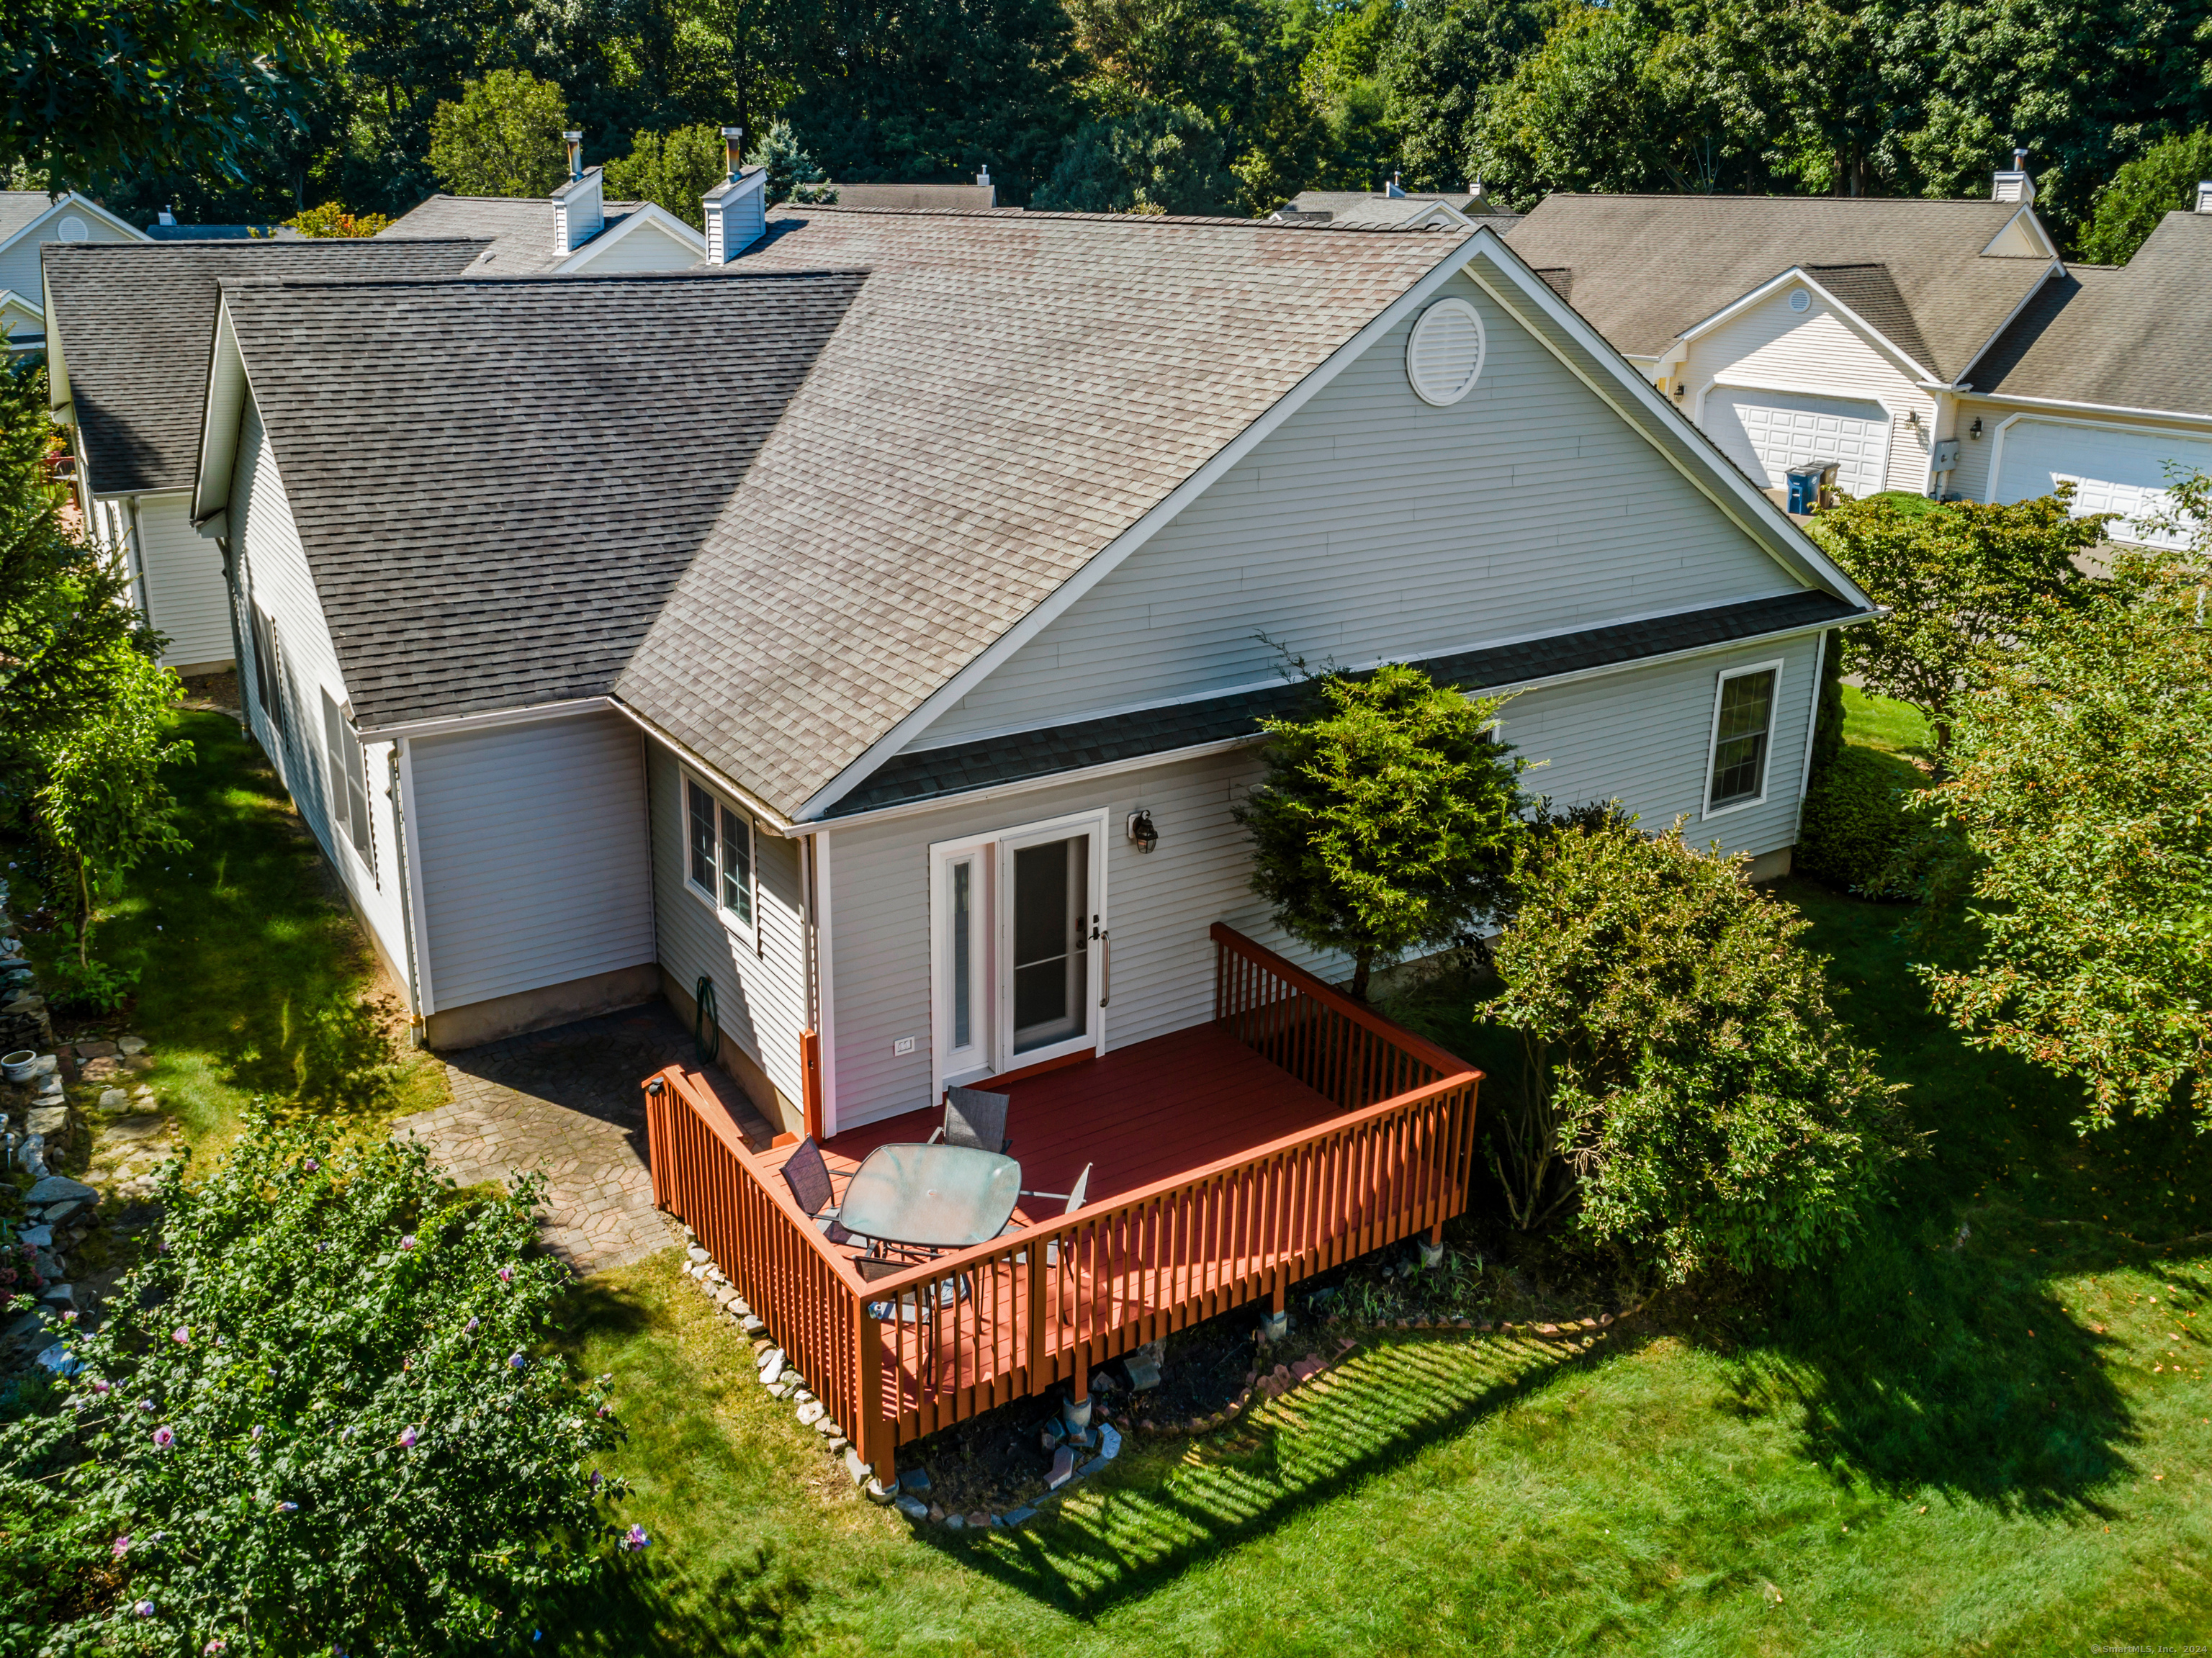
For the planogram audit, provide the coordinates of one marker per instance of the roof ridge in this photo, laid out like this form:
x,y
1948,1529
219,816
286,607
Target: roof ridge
x,y
1031,215
504,278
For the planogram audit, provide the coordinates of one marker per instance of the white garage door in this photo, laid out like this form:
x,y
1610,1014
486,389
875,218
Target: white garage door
x,y
2112,471
1769,431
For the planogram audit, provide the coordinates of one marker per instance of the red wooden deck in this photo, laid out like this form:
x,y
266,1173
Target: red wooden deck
x,y
1138,1115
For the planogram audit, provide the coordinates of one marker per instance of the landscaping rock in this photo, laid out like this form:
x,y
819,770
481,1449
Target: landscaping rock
x,y
1016,1517
724,1296
60,1189
979,1520
935,1513
811,1412
1109,1443
752,1323
1093,1465
1063,1468
96,1050
131,1044
39,1237
956,1523
61,1295
1144,1365
97,1071
826,1426
51,1120
139,1062
699,1257
913,1479
113,1099
860,1472
912,1507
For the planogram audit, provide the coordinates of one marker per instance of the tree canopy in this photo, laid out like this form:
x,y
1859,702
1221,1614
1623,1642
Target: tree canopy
x,y
502,138
2163,180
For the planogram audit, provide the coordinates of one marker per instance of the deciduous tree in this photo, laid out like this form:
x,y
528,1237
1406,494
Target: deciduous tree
x,y
502,138
2163,180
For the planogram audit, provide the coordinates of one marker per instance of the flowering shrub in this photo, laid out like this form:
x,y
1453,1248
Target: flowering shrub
x,y
298,1433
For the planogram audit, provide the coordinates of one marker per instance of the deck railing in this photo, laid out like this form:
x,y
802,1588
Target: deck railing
x,y
957,1336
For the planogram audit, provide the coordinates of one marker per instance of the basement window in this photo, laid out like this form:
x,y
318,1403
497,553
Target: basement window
x,y
719,855
1743,723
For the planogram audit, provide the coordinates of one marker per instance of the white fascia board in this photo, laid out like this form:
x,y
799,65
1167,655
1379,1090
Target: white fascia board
x,y
2067,403
1110,557
228,386
2056,268
1797,274
73,202
1223,745
9,296
1719,479
447,723
651,214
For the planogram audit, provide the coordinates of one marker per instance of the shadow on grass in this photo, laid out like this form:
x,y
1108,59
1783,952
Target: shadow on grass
x,y
648,1605
1114,1542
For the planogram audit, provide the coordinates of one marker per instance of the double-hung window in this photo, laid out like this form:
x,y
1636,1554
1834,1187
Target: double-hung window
x,y
1743,724
718,856
268,689
348,779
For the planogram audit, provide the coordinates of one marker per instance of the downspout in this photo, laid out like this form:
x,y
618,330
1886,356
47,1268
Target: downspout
x,y
810,1040
417,1030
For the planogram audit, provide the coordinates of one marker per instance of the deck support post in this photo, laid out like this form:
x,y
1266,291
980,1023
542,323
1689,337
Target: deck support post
x,y
1080,1387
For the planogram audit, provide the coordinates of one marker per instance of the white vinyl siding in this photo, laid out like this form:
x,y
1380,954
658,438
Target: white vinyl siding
x,y
2113,469
534,862
648,247
1158,907
274,577
1372,525
1813,353
760,977
185,596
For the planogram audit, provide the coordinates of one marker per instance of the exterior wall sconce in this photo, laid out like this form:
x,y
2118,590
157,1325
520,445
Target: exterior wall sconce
x,y
1142,832
1912,418
1679,389
1975,430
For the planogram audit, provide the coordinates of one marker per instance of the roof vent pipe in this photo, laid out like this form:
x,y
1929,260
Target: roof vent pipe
x,y
575,155
733,144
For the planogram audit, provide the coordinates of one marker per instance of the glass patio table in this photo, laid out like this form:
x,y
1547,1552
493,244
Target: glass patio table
x,y
931,1197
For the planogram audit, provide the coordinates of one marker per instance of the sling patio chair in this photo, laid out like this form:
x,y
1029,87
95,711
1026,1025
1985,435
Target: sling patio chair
x,y
974,1118
1074,1201
808,1177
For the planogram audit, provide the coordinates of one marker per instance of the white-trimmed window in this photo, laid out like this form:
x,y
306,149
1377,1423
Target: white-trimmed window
x,y
268,689
349,777
1743,731
719,855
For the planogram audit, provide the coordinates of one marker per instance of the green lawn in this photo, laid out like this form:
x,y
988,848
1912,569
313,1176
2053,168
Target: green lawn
x,y
254,974
1950,1439
1893,727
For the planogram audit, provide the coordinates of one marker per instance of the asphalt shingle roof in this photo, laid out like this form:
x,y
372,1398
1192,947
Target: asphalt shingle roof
x,y
136,323
2139,336
497,481
1008,394
519,227
931,774
1645,268
19,207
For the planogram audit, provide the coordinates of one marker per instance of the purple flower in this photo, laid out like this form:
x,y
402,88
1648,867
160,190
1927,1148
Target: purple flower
x,y
469,1327
120,1546
162,1248
182,1335
164,1437
70,1317
144,1608
606,1410
98,1386
311,1165
515,1360
213,1647
635,1538
147,1406
507,1275
288,1507
407,1437
596,1478
407,1242
256,1430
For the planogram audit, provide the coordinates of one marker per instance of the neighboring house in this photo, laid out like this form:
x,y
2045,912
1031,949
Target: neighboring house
x,y
574,229
131,326
2104,381
29,220
979,196
1789,329
1394,209
868,631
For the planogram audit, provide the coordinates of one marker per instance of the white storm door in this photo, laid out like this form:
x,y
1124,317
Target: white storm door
x,y
962,1046
1051,915
1782,430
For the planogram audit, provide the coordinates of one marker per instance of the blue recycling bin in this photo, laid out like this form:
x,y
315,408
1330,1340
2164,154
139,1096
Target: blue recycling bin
x,y
1807,478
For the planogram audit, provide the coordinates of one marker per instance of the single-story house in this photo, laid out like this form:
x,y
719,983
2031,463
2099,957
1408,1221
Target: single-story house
x,y
2104,381
130,328
29,220
1794,328
862,636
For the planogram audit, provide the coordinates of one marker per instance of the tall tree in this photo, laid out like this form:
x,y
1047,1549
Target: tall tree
x,y
673,170
1433,71
1152,158
502,137
93,90
2163,180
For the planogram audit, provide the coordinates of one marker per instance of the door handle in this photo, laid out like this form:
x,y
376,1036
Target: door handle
x,y
1105,965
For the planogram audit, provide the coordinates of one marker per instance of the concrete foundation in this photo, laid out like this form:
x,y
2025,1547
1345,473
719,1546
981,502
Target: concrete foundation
x,y
1770,865
478,1023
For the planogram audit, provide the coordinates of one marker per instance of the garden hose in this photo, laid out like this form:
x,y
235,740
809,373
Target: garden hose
x,y
705,1032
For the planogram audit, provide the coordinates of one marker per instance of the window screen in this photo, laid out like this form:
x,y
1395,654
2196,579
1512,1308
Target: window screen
x,y
703,838
349,775
738,866
1739,738
264,667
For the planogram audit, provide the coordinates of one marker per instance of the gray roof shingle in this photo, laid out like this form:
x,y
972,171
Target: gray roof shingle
x,y
1010,392
19,208
2139,336
519,227
136,323
931,774
1645,268
496,480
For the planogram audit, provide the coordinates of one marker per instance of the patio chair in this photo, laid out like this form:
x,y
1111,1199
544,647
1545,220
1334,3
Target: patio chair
x,y
974,1118
912,1307
808,1177
1074,1200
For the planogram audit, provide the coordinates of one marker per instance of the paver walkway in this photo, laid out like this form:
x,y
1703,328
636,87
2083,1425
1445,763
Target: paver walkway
x,y
566,1102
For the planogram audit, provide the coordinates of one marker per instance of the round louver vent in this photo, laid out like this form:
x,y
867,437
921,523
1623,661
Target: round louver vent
x,y
73,229
1443,354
